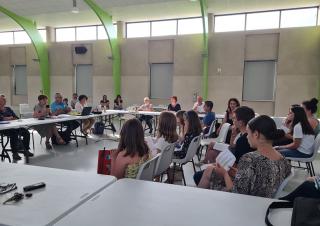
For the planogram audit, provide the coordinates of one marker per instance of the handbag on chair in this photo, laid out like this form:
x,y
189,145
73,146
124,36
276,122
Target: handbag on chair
x,y
104,162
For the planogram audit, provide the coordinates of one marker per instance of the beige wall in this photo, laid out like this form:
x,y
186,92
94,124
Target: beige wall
x,y
297,51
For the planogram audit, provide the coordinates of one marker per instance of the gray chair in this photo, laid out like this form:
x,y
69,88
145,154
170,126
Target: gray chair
x,y
191,152
283,184
146,170
308,161
164,161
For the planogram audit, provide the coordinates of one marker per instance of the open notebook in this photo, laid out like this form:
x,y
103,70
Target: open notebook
x,y
226,159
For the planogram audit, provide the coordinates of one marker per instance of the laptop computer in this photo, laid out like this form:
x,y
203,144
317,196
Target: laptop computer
x,y
86,111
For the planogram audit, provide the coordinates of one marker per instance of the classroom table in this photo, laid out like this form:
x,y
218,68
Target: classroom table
x,y
133,202
65,190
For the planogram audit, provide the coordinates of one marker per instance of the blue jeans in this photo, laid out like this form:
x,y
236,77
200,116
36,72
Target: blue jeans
x,y
294,153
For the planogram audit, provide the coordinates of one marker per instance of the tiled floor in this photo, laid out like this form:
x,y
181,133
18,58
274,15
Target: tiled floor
x,y
84,158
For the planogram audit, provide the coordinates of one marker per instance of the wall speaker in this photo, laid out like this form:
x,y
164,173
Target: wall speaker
x,y
80,49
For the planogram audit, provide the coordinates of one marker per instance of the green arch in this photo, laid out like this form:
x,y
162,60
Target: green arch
x,y
39,45
106,20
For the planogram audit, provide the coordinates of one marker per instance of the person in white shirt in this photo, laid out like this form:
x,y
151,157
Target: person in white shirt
x,y
167,133
86,123
302,135
198,106
147,106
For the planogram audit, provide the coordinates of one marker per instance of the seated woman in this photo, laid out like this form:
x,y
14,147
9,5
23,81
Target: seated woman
x,y
86,123
310,108
167,133
147,106
180,124
192,129
233,104
259,173
118,103
42,110
240,144
132,151
308,189
174,106
302,134
104,103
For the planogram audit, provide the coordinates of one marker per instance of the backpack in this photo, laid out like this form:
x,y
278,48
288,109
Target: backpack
x,y
98,128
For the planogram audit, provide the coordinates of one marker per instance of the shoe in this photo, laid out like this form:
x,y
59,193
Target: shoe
x,y
16,156
28,153
48,146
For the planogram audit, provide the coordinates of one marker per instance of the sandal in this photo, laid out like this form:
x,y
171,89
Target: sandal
x,y
48,146
60,141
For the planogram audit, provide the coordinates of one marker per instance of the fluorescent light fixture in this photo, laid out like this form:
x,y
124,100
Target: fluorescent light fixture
x,y
75,9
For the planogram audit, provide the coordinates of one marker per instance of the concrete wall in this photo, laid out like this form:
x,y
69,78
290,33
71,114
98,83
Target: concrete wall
x,y
296,51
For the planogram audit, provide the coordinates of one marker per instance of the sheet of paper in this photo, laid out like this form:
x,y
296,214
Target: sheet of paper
x,y
226,159
221,146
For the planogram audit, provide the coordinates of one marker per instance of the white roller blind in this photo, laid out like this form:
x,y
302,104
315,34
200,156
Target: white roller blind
x,y
84,80
20,80
161,81
259,80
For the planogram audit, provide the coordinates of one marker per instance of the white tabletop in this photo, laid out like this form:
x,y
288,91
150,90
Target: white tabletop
x,y
65,190
133,202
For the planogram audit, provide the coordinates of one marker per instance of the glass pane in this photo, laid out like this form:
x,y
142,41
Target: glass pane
x,y
43,34
190,26
135,30
21,37
299,17
65,34
6,38
266,20
160,28
102,32
86,33
20,78
229,23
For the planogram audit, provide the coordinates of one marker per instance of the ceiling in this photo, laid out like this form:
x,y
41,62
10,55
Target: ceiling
x,y
57,12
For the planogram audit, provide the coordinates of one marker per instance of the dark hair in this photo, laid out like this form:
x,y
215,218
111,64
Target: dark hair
x,y
179,115
42,97
194,122
65,99
132,139
266,126
81,97
234,100
311,105
209,104
244,114
74,94
167,127
301,117
175,97
104,97
116,100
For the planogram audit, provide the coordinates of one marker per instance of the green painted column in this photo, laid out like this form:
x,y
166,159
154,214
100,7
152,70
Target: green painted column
x,y
106,20
205,51
39,45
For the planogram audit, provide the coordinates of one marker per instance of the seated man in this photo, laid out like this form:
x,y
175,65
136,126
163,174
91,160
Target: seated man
x,y
6,114
198,106
209,117
58,108
147,106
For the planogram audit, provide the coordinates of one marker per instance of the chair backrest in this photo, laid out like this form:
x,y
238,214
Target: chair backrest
x,y
164,160
283,184
223,133
316,147
279,121
193,147
212,128
146,170
25,111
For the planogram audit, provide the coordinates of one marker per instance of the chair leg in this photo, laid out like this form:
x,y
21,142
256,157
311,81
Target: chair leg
x,y
184,179
308,168
312,169
32,139
299,164
174,171
194,167
200,153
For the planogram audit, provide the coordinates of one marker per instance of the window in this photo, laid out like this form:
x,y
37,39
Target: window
x,y
43,34
161,81
20,80
161,28
86,33
229,23
141,29
102,34
259,80
190,26
21,37
299,17
265,20
65,34
6,38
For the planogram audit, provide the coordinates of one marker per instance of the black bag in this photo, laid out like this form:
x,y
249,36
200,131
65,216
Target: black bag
x,y
65,135
98,128
306,211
